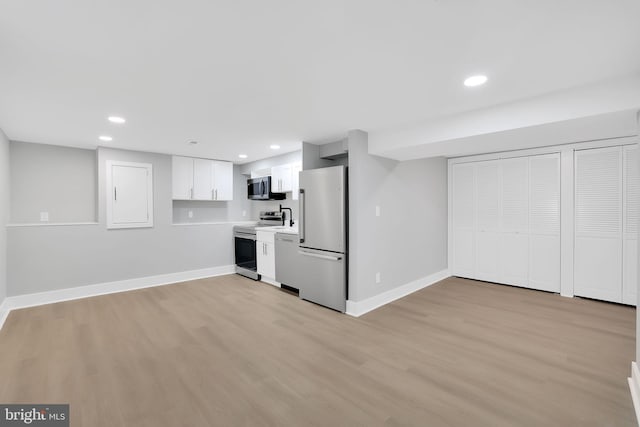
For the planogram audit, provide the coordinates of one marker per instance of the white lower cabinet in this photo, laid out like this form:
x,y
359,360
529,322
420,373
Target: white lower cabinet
x,y
265,248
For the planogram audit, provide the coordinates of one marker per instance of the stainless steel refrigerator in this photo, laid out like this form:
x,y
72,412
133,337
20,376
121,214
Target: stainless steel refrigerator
x,y
323,236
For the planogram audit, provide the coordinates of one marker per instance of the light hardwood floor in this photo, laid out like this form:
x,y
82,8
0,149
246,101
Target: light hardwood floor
x,y
228,351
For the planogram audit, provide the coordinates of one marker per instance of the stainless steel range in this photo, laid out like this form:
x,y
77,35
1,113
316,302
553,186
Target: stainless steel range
x,y
245,243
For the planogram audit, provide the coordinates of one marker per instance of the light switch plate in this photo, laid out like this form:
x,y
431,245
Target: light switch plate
x,y
378,277
44,216
190,214
377,210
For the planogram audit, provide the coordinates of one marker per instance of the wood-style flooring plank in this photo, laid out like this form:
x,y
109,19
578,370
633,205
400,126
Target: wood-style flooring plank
x,y
231,351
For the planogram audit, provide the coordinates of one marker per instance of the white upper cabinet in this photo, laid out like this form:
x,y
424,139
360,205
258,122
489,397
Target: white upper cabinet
x,y
281,179
202,183
129,194
222,180
284,179
202,179
182,177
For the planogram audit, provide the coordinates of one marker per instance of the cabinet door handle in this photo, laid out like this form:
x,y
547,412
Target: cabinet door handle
x,y
191,194
301,215
216,194
115,193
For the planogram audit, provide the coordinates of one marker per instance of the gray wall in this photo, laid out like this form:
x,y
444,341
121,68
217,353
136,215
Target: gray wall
x,y
311,157
57,180
408,241
49,258
4,211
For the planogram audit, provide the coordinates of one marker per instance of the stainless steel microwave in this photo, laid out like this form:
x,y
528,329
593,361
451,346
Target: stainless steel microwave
x,y
260,189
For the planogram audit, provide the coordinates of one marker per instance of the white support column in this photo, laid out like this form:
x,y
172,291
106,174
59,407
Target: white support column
x,y
634,380
566,222
638,293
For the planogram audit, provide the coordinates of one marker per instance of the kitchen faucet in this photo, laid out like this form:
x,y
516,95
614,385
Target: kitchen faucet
x,y
285,215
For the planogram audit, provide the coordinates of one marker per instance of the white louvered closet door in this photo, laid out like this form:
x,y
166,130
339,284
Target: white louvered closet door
x,y
488,195
514,239
598,223
544,222
463,182
631,175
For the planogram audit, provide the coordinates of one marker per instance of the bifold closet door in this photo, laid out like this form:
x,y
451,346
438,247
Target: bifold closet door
x,y
463,227
544,222
488,207
598,223
506,221
514,236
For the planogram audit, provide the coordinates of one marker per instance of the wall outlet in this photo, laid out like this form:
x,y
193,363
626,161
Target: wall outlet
x,y
244,213
44,216
190,214
377,210
378,277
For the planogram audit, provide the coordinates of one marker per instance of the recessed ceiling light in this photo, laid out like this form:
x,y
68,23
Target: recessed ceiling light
x,y
475,81
193,142
242,156
105,138
275,147
116,119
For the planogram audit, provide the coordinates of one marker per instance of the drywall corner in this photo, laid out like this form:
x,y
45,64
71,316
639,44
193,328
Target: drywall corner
x,y
4,213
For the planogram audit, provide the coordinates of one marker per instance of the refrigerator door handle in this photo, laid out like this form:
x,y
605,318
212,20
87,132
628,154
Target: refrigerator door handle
x,y
331,258
301,220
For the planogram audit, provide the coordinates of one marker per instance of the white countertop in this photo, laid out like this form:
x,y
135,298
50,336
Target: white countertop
x,y
279,229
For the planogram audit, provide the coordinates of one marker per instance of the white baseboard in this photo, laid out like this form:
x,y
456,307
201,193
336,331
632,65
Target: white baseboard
x,y
634,386
4,311
41,298
358,308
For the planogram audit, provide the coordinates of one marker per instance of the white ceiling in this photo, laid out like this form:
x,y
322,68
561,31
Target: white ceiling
x,y
240,75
